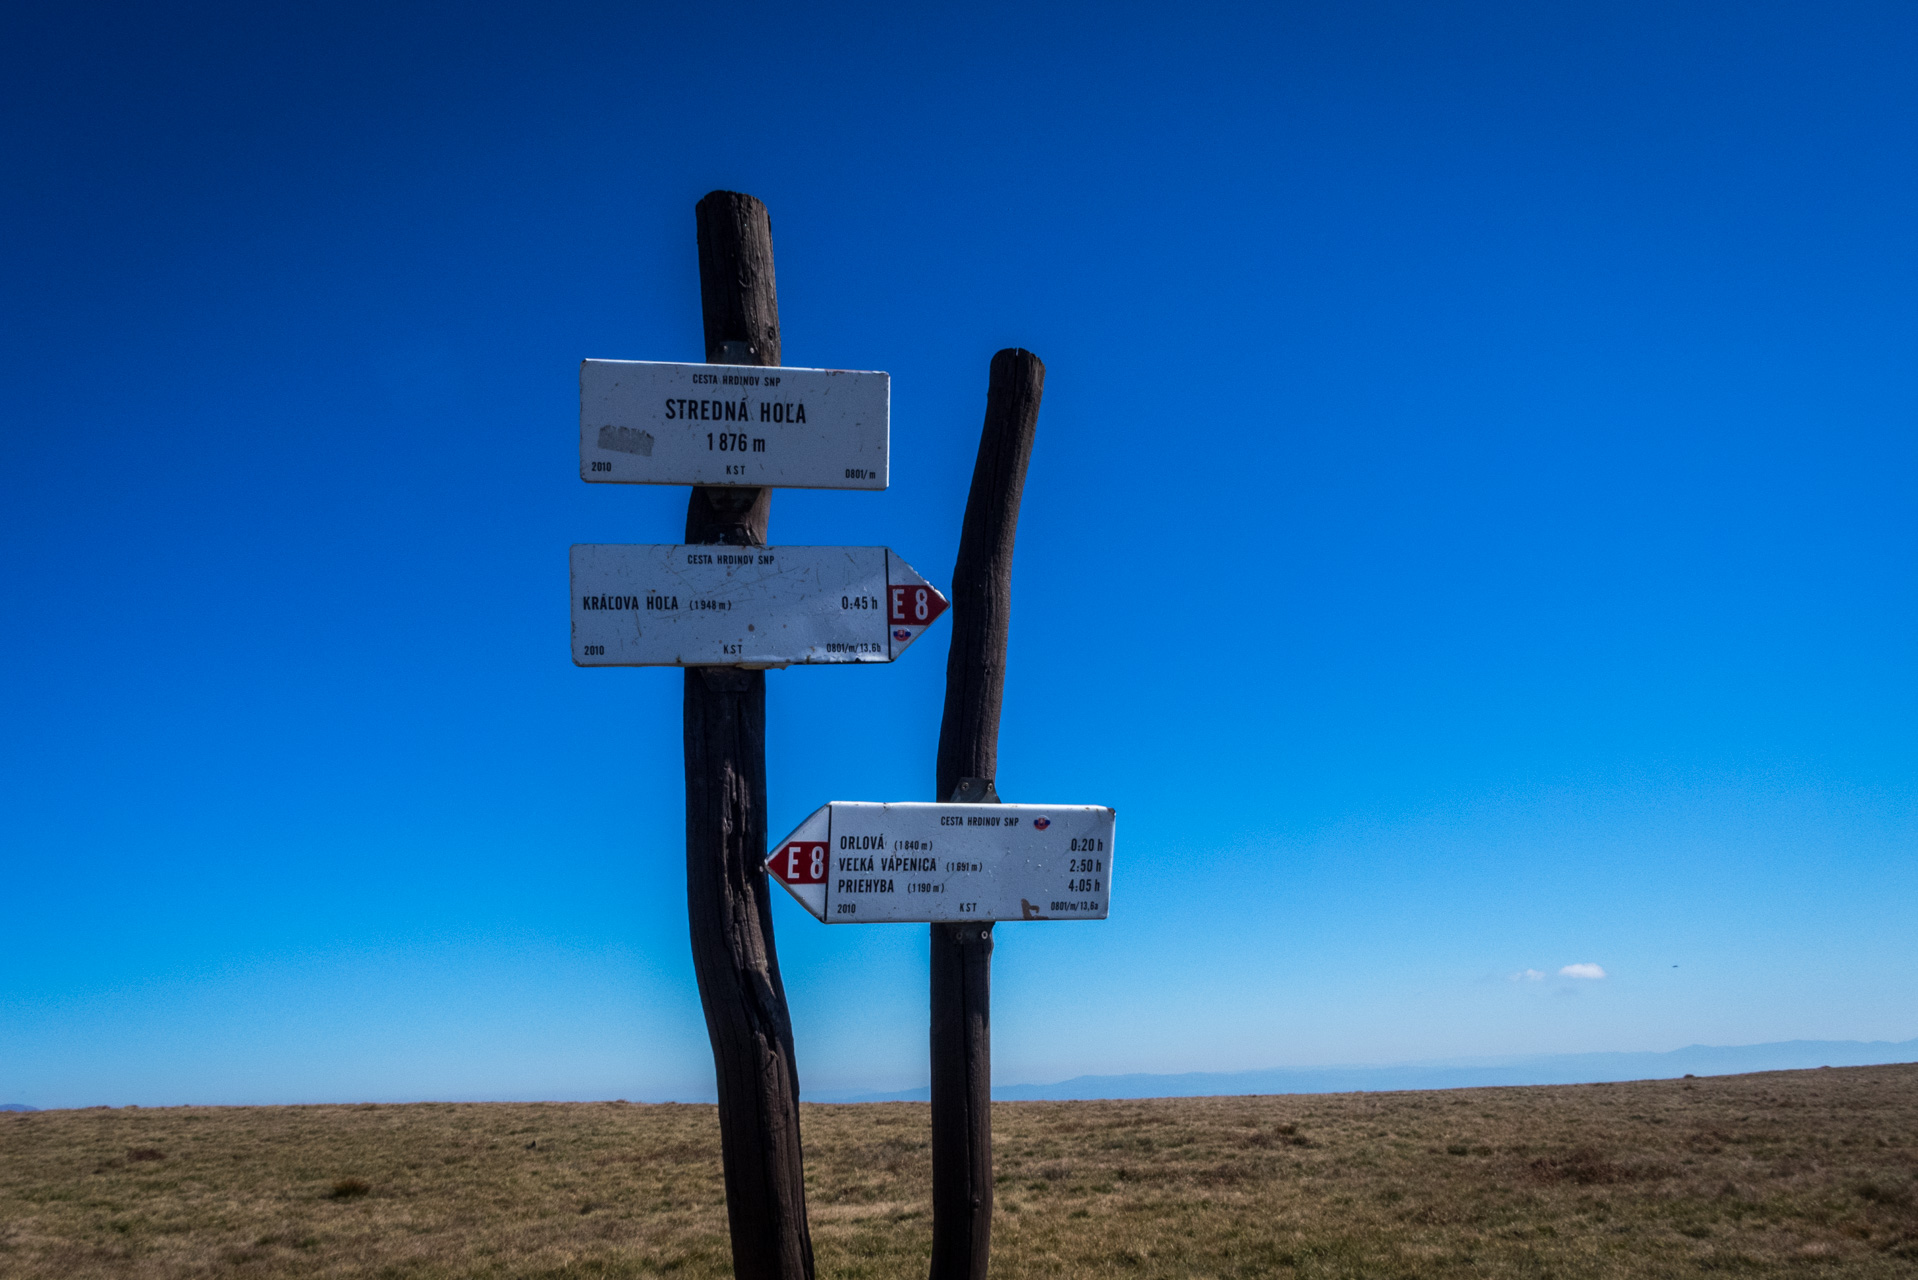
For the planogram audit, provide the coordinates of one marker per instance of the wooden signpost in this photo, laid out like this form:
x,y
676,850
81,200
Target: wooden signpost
x,y
725,606
968,763
727,905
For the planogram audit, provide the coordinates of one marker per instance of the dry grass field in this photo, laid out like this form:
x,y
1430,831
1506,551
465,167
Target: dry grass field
x,y
1782,1174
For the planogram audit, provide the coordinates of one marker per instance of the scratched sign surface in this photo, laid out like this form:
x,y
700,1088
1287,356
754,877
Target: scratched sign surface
x,y
644,422
719,606
859,863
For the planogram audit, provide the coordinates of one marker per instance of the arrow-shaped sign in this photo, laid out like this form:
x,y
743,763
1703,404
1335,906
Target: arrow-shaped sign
x,y
720,606
647,422
854,862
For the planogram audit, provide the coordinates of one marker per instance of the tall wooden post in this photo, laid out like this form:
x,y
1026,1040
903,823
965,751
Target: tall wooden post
x,y
968,764
726,890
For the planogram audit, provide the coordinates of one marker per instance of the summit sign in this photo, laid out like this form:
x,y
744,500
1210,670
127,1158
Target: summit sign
x,y
647,422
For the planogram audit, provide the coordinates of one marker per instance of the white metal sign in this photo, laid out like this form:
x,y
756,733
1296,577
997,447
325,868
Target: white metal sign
x,y
719,606
645,422
855,862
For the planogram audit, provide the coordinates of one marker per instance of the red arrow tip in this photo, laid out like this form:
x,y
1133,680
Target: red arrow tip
x,y
913,604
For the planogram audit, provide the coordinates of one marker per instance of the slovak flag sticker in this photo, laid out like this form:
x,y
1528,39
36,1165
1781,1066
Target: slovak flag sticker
x,y
1040,824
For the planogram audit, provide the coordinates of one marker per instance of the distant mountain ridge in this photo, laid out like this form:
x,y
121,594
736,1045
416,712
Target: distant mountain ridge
x,y
16,1106
1449,1073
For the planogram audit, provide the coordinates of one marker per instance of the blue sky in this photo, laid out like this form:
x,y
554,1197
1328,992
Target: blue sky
x,y
1470,532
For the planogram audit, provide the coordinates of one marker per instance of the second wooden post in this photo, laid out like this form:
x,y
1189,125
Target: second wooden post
x,y
967,766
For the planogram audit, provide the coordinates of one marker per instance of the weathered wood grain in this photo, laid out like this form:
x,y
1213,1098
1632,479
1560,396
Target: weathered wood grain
x,y
967,765
726,890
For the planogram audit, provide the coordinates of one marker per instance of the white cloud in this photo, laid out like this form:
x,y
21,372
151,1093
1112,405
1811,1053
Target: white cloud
x,y
1528,975
1581,971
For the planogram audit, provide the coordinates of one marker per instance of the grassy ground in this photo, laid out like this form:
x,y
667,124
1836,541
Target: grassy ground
x,y
1782,1174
